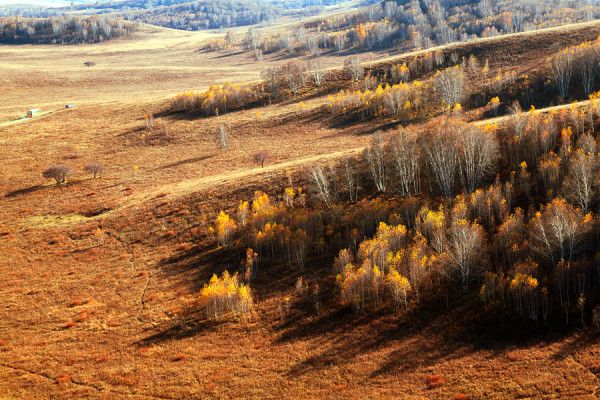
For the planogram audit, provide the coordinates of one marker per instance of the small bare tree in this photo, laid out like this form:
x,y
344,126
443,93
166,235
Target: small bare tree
x,y
272,80
582,179
440,150
466,248
350,179
294,75
260,157
223,138
587,61
57,172
557,231
450,84
353,69
95,169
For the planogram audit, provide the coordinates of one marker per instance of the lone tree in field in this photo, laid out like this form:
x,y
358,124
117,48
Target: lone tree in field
x,y
95,169
57,172
562,69
260,157
223,138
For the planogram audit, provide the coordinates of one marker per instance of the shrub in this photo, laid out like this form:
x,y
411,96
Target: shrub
x,y
260,157
95,169
57,172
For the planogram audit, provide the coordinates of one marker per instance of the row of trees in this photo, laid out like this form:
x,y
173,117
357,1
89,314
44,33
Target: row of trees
x,y
60,172
582,60
279,81
216,99
414,24
63,30
208,14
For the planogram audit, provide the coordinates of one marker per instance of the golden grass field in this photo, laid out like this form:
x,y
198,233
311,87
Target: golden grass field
x,y
100,277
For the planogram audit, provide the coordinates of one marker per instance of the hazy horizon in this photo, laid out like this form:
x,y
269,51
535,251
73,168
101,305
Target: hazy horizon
x,y
44,3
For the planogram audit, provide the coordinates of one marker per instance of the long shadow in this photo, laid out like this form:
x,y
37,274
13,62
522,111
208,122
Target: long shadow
x,y
32,189
182,162
421,337
192,323
581,341
194,267
20,192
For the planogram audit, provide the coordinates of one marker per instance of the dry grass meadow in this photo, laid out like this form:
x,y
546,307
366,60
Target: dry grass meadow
x,y
100,276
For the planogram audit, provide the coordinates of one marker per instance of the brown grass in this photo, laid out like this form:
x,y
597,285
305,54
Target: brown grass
x,y
100,277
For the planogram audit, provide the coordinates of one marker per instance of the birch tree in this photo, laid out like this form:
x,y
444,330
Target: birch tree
x,y
561,66
406,155
479,154
581,181
439,147
376,160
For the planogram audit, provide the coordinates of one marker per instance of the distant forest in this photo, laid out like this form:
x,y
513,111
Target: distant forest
x,y
62,30
208,14
420,24
188,15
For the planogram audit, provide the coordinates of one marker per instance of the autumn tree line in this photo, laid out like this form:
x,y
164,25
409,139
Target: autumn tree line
x,y
508,213
279,82
62,30
431,83
416,24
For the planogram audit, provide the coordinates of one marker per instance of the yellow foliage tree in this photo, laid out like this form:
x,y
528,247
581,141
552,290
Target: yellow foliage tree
x,y
224,295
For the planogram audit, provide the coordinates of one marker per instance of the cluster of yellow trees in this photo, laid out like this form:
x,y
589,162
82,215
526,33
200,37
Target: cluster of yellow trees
x,y
399,100
226,295
217,99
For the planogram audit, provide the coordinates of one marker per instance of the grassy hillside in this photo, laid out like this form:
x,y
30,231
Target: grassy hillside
x,y
102,283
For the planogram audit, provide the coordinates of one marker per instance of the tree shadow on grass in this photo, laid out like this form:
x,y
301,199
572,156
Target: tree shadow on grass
x,y
35,188
24,191
182,162
190,324
414,339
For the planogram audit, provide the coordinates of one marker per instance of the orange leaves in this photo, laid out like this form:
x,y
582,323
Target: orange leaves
x,y
361,32
435,380
494,102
